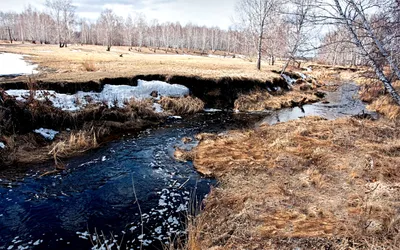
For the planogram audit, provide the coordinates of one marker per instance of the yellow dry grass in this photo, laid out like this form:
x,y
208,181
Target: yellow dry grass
x,y
67,64
182,105
373,92
262,100
78,142
309,183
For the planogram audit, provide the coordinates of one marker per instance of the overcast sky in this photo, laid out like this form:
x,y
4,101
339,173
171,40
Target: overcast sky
x,y
201,12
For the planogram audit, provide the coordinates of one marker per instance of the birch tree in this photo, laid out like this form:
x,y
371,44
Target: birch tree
x,y
299,27
256,15
352,14
109,23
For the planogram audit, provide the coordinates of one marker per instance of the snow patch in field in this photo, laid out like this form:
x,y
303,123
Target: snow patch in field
x,y
48,134
2,146
14,65
112,95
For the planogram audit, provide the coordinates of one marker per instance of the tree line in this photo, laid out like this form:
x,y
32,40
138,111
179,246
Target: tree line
x,y
59,24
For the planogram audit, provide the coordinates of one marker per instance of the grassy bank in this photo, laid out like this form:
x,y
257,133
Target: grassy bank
x,y
308,184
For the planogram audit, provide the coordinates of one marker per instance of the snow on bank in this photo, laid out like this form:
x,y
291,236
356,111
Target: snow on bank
x,y
113,95
48,134
290,81
14,64
2,146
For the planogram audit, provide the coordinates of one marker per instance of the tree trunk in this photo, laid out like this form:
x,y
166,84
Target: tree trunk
x,y
377,42
9,34
381,76
259,51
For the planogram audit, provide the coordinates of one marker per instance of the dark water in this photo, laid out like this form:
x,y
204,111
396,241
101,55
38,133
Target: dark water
x,y
98,194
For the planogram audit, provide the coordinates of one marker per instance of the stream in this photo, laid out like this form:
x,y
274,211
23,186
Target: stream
x,y
131,192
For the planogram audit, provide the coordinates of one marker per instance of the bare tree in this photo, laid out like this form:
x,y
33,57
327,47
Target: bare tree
x,y
256,14
352,15
299,27
63,13
109,22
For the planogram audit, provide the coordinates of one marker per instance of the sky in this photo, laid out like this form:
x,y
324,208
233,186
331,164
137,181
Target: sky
x,y
201,12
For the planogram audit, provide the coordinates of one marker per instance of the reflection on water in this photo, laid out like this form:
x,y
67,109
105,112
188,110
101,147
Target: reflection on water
x,y
343,102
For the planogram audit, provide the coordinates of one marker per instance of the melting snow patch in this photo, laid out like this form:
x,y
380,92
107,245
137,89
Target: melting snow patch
x,y
14,64
48,134
303,76
288,80
157,108
181,208
2,146
112,95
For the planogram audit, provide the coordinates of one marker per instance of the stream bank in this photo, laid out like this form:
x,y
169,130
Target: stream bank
x,y
327,182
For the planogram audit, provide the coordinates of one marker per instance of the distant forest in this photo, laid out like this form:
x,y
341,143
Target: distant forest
x,y
261,30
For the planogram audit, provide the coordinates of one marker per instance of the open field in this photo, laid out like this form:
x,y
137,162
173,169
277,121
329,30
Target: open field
x,y
85,63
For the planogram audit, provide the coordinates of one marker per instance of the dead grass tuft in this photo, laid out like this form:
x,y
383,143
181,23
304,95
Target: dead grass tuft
x,y
386,106
373,92
262,100
89,65
78,142
182,105
370,89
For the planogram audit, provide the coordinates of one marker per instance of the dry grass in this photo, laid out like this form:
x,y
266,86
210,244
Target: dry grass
x,y
65,64
310,183
262,100
89,65
386,106
78,142
182,105
373,92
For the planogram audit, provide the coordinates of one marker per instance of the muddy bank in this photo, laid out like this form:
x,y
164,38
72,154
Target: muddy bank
x,y
80,113
215,93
